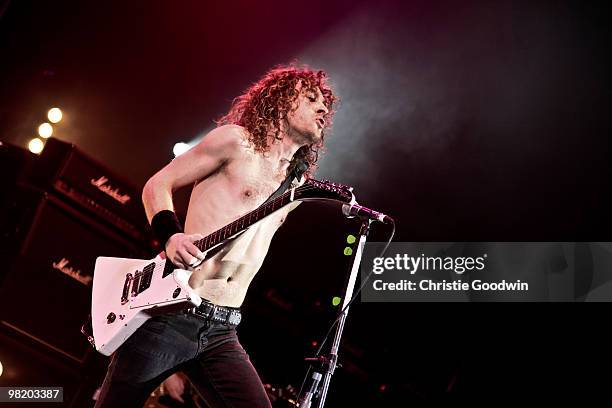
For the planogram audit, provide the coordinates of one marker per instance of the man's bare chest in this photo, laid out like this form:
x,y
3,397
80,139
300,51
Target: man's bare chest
x,y
253,180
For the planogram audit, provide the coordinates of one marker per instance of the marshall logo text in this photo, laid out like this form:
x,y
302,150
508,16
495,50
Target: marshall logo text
x,y
63,267
107,189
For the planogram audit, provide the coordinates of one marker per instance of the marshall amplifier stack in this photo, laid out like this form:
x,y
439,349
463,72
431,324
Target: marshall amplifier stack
x,y
60,212
70,174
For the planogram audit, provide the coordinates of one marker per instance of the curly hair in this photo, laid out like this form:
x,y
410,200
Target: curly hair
x,y
265,104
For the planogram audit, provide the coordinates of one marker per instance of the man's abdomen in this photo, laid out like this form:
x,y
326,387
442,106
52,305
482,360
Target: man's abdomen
x,y
225,285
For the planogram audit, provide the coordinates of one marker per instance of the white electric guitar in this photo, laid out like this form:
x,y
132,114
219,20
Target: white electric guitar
x,y
127,292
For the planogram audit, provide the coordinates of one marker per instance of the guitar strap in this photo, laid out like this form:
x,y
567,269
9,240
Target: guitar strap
x,y
296,174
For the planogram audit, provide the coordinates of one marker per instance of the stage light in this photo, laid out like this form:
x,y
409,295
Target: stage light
x,y
1,369
351,239
348,251
45,130
180,148
55,115
336,300
36,145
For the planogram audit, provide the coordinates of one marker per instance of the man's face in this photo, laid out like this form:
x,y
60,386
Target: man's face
x,y
306,119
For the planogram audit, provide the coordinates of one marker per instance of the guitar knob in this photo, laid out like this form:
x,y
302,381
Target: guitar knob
x,y
110,318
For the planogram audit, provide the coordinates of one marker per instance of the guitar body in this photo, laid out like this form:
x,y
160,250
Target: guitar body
x,y
120,303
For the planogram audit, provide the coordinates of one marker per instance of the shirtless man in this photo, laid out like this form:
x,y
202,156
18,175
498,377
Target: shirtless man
x,y
233,170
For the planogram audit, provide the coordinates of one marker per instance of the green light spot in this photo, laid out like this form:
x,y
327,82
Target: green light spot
x,y
351,239
336,300
348,251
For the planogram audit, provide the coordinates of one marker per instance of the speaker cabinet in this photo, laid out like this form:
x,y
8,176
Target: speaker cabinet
x,y
49,252
66,171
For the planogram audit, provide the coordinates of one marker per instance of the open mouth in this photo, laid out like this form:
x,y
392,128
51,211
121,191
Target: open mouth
x,y
321,123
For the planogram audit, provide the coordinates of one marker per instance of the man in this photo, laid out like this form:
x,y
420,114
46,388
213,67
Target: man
x,y
277,122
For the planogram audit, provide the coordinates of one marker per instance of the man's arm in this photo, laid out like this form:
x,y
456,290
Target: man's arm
x,y
217,148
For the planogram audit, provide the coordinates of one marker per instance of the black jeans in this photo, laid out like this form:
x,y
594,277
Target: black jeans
x,y
208,352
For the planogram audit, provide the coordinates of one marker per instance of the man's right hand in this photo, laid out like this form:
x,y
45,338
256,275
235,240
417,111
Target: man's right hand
x,y
181,251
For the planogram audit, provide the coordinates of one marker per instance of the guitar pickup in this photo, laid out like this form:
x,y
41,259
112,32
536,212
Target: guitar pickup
x,y
147,275
126,288
136,283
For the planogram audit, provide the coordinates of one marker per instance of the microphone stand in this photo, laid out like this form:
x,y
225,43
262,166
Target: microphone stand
x,y
330,361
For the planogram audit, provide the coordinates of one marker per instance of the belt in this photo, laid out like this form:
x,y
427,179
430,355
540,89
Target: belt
x,y
220,314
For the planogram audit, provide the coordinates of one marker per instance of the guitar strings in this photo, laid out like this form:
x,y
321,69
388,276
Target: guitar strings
x,y
219,231
201,242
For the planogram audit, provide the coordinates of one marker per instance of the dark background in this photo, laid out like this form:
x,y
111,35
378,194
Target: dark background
x,y
463,120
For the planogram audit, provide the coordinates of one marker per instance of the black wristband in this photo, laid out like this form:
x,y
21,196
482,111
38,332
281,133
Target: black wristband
x,y
165,224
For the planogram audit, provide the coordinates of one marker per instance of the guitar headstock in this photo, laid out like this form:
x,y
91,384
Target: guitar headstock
x,y
326,190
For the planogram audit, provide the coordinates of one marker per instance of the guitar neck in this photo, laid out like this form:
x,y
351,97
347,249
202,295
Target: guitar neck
x,y
243,222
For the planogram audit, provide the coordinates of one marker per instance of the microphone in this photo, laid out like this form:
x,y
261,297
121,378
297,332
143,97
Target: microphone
x,y
356,210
